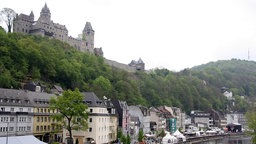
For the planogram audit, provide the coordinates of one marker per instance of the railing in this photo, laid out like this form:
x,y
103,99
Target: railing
x,y
198,139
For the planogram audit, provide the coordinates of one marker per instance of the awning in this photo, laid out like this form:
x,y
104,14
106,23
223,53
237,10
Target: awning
x,y
28,139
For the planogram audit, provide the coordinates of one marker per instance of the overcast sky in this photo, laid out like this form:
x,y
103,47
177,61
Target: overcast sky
x,y
163,33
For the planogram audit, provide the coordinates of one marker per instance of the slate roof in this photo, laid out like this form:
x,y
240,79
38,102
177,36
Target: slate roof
x,y
92,100
39,99
11,97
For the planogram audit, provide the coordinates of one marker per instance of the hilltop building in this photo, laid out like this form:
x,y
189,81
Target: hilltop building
x,y
44,26
138,65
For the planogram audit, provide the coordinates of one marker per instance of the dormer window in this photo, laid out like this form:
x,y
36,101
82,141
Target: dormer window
x,y
2,109
6,100
18,101
89,102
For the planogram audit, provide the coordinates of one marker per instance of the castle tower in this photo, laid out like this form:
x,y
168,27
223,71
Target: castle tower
x,y
32,16
45,14
88,37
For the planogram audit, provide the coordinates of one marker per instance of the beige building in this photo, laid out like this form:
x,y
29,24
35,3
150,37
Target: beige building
x,y
102,122
157,121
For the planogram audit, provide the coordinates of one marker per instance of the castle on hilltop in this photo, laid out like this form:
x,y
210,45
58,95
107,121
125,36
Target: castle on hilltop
x,y
44,26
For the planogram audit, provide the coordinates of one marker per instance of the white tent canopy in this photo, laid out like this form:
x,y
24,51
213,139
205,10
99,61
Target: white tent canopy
x,y
169,139
178,134
28,139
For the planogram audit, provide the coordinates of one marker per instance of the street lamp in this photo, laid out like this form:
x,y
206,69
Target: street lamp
x,y
7,132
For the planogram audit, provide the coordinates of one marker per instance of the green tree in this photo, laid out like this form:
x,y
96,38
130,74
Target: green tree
x,y
119,133
140,135
102,86
251,121
128,139
72,111
7,15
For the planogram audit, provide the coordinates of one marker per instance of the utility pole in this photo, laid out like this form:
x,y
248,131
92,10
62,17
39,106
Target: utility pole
x,y
7,129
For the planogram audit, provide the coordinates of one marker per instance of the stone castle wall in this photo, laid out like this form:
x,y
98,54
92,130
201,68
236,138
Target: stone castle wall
x,y
44,26
121,66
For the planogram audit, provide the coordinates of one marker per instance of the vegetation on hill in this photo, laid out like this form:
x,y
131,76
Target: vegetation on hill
x,y
26,58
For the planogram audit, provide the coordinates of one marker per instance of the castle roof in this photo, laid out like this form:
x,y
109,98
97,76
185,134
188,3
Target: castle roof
x,y
88,27
140,60
31,14
45,9
26,17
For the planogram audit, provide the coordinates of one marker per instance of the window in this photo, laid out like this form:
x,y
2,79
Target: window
x,y
29,119
21,109
45,119
28,128
2,109
11,129
29,109
11,119
90,129
38,119
90,120
91,110
37,128
12,109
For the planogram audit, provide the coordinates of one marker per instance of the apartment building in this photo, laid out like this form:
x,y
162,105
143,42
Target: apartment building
x,y
16,113
102,122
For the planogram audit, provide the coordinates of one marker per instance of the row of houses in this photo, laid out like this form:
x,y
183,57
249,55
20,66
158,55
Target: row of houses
x,y
26,112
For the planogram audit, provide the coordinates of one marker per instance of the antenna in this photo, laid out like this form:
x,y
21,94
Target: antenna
x,y
248,54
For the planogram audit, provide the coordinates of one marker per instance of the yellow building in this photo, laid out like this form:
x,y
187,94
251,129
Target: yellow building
x,y
44,127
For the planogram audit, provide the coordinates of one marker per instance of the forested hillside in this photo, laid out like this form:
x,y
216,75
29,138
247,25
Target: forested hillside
x,y
26,58
239,75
